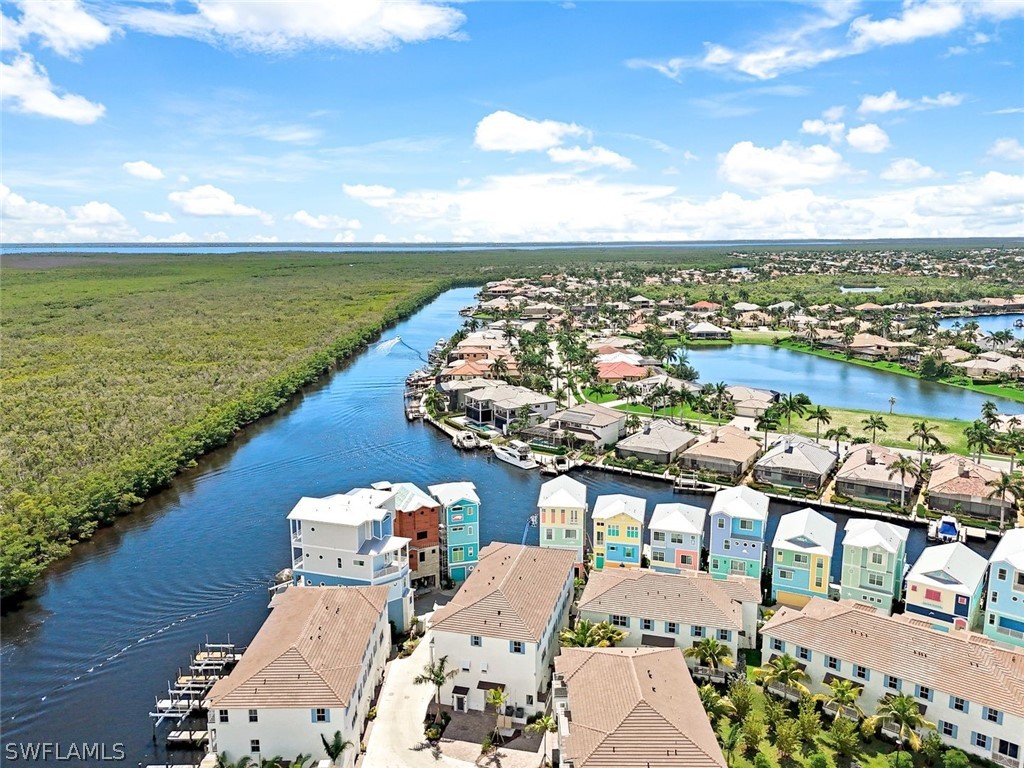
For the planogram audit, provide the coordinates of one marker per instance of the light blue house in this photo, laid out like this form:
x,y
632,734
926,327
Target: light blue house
x,y
618,531
348,540
677,537
802,557
946,585
460,528
1004,620
738,519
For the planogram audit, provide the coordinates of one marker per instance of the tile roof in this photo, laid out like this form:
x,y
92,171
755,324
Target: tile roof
x,y
741,501
664,596
681,518
449,493
614,504
866,533
953,567
511,594
659,435
956,662
960,476
589,414
806,531
308,653
726,443
562,491
634,708
799,453
870,463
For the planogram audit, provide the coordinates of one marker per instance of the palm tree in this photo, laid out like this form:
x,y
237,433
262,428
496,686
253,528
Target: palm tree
x,y
784,670
710,653
437,674
1003,486
300,760
837,434
790,405
1013,442
730,741
990,413
271,762
874,423
842,694
715,704
903,713
980,436
767,421
924,433
721,395
544,724
819,415
224,762
499,368
496,697
587,634
435,401
335,746
903,466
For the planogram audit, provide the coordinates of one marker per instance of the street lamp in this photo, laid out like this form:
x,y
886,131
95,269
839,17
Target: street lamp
x,y
899,753
432,650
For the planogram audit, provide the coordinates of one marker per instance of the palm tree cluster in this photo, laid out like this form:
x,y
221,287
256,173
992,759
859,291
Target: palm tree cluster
x,y
588,634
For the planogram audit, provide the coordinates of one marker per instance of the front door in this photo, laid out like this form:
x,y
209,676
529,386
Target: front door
x,y
599,562
460,703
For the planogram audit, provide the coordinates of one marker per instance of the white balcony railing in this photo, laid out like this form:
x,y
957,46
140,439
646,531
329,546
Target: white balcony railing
x,y
388,570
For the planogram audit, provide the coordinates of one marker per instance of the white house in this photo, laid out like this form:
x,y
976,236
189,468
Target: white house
x,y
311,670
668,609
969,686
501,628
348,540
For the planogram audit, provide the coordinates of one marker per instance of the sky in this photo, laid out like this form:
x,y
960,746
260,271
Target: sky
x,y
416,121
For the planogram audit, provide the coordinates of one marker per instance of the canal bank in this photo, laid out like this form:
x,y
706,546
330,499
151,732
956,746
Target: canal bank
x,y
83,660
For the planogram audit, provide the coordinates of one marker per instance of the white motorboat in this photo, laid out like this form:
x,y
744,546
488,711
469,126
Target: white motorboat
x,y
466,439
516,453
946,530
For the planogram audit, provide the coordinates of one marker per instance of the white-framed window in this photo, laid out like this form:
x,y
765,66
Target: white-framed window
x,y
686,559
570,533
254,716
549,534
947,729
778,645
799,559
876,580
876,558
746,525
340,561
832,662
677,538
980,740
727,545
860,672
721,522
803,653
958,704
254,745
222,715
517,646
785,574
320,715
992,715
672,627
476,641
647,624
892,683
658,556
619,621
658,535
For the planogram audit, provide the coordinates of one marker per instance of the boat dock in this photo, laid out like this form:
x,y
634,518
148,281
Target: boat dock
x,y
186,695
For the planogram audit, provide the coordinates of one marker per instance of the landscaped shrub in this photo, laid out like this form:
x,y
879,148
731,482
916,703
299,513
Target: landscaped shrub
x,y
954,758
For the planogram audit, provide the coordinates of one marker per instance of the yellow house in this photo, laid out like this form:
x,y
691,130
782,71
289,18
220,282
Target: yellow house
x,y
802,557
618,531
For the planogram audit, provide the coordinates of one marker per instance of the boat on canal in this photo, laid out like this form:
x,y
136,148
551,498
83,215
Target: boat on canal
x,y
466,440
516,453
946,530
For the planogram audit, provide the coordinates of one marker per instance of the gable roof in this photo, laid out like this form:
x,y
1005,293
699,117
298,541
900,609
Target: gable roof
x,y
308,653
614,504
798,453
634,708
562,491
806,531
408,496
678,517
954,662
511,594
867,533
741,501
954,567
450,493
1010,549
659,435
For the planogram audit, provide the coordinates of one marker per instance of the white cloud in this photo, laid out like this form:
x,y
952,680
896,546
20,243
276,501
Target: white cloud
x,y
887,102
348,236
276,26
944,99
31,221
287,134
834,131
868,138
367,192
508,132
956,50
208,200
1006,149
263,239
62,25
787,165
181,237
27,88
143,170
908,169
324,221
918,20
591,157
1008,111
834,114
158,218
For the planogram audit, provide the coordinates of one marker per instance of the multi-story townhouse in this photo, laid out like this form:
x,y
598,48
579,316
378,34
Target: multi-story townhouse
x,y
630,708
969,686
946,585
618,531
666,609
417,518
460,528
874,562
1004,615
802,557
677,537
348,539
562,512
738,518
501,628
311,671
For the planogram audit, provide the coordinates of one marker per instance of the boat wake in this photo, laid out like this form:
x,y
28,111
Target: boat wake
x,y
384,347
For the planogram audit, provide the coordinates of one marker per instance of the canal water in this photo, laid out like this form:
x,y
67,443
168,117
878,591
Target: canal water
x,y
988,323
83,661
836,383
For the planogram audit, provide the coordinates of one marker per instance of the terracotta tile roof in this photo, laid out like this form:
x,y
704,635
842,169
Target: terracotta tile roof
x,y
956,662
619,370
858,468
663,596
634,708
960,476
511,594
308,653
726,443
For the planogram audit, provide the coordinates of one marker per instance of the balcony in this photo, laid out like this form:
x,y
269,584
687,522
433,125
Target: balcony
x,y
391,569
1006,760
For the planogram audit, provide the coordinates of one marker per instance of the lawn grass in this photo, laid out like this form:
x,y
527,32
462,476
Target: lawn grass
x,y
684,412
599,397
760,337
949,431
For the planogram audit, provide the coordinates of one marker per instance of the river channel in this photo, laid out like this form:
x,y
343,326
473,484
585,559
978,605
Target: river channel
x,y
110,625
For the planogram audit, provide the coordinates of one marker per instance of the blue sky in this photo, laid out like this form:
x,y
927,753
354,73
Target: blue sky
x,y
429,121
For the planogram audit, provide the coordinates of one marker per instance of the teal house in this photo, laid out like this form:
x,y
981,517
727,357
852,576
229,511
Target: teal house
x,y
460,528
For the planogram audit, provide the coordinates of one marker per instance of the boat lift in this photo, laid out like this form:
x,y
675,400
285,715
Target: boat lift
x,y
185,696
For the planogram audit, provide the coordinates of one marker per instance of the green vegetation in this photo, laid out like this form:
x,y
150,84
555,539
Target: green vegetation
x,y
950,432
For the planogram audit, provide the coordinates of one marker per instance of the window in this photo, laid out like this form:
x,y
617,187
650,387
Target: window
x,y
995,599
715,564
980,740
933,595
613,530
1008,749
801,559
476,641
779,554
686,559
569,533
1001,574
947,729
697,631
619,621
832,662
677,538
422,534
958,704
549,534
469,530
727,545
254,716
892,683
458,554
658,556
359,563
672,627
628,552
860,672
320,715
785,574
423,557
923,692
876,580
992,715
223,715
254,745
647,624
657,535
778,645
516,646
339,562
876,558
720,522
632,532
803,653
724,635
529,699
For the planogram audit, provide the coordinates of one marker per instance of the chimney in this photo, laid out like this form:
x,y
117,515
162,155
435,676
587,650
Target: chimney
x,y
870,456
962,468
